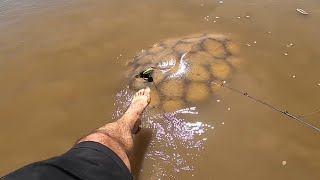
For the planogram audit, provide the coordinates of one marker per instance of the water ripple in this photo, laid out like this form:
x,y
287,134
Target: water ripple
x,y
176,142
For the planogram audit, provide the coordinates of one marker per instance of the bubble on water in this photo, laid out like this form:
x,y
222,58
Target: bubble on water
x,y
198,123
318,84
214,21
220,2
217,17
293,76
255,42
120,55
269,32
224,82
247,16
201,4
222,123
284,163
302,11
286,54
229,109
289,45
239,17
218,100
248,45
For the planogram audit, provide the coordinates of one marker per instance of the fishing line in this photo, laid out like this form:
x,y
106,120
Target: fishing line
x,y
164,110
309,113
271,106
147,77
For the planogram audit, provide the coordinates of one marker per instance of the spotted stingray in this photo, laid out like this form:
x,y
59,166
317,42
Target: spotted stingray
x,y
186,70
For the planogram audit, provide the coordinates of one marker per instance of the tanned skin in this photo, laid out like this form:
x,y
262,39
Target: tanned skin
x,y
118,135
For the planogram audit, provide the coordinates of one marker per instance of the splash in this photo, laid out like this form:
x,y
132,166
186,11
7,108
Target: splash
x,y
176,141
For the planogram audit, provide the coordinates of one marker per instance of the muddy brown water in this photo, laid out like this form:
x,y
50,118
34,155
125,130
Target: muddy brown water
x,y
59,67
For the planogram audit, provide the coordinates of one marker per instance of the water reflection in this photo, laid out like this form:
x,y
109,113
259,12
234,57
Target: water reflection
x,y
176,142
61,71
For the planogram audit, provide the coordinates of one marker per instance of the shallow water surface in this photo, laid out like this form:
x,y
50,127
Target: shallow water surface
x,y
60,76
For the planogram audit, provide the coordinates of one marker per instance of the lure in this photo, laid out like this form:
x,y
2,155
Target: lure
x,y
146,74
148,71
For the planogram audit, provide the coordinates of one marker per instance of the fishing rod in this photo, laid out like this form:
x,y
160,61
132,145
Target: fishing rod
x,y
270,106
